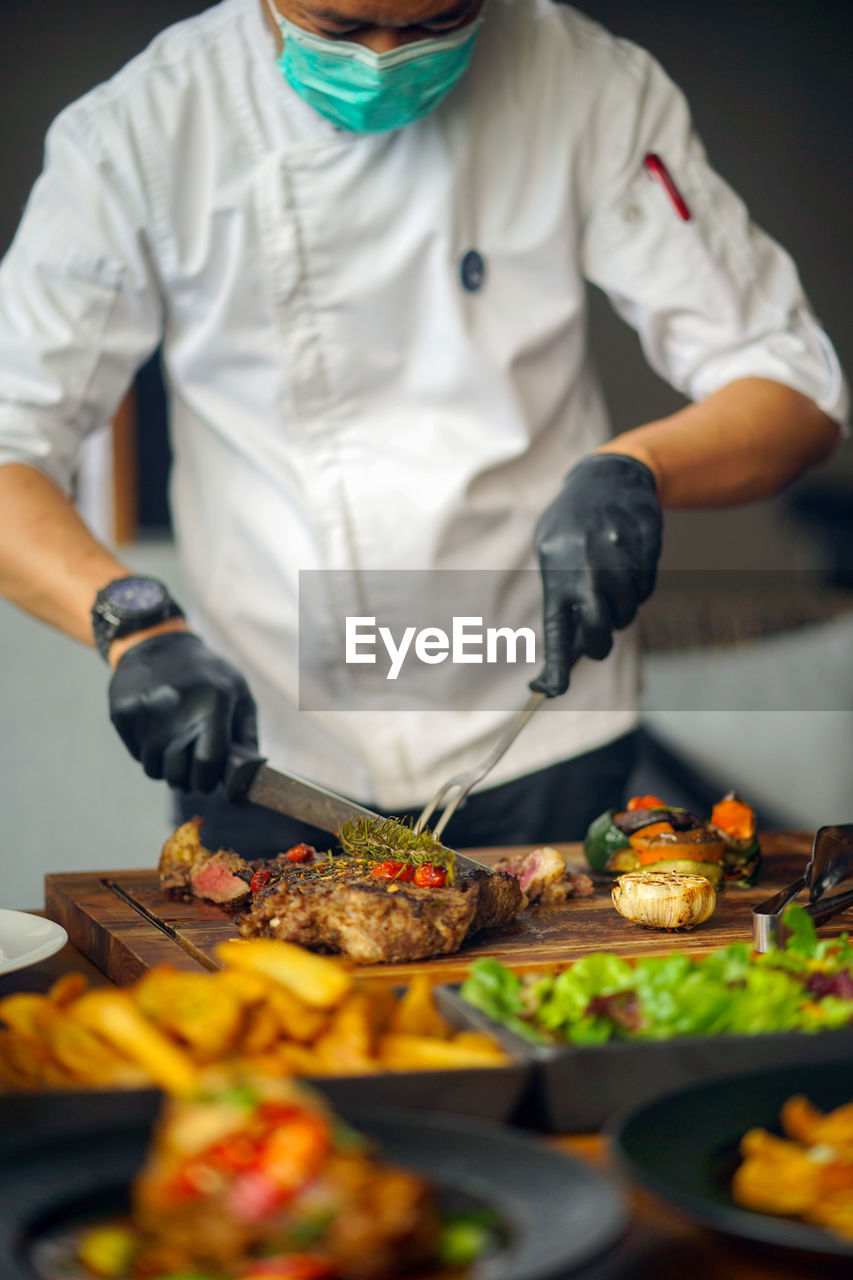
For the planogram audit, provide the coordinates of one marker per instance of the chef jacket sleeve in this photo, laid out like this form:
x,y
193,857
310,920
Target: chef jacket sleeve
x,y
79,303
712,297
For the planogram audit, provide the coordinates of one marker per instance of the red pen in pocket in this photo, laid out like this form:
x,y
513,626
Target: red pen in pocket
x,y
656,167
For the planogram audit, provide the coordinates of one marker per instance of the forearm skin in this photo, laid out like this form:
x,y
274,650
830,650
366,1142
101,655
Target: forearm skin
x,y
50,563
742,443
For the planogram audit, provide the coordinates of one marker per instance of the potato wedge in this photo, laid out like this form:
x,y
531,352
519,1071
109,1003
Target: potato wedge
x,y
416,1013
299,1060
113,1015
20,1012
835,1129
834,1209
348,1044
88,1058
249,988
28,1064
67,988
261,1030
381,1003
479,1042
193,1008
296,1020
399,1052
318,980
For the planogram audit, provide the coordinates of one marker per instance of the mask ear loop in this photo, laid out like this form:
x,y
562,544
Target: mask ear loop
x,y
276,17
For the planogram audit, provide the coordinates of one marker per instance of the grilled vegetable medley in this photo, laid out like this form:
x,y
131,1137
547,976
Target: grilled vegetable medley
x,y
652,835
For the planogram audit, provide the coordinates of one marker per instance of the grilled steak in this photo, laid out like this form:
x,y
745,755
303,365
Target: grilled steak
x,y
336,905
363,919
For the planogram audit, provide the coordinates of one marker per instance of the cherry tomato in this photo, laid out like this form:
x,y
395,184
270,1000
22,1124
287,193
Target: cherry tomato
x,y
234,1153
393,871
259,879
429,876
294,1152
300,853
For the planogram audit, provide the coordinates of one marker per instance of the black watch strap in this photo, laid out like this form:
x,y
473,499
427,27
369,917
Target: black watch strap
x,y
130,604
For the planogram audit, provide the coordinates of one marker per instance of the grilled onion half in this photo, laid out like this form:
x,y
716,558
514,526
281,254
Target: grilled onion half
x,y
664,899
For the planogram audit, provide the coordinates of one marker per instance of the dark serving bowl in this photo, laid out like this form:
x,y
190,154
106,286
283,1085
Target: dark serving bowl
x,y
578,1088
683,1147
68,1158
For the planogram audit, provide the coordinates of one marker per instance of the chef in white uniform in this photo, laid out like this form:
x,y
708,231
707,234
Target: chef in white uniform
x,y
360,231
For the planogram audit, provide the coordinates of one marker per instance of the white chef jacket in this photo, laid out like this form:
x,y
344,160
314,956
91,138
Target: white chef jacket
x,y
339,400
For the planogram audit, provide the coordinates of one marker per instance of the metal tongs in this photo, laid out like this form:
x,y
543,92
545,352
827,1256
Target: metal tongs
x,y
463,782
831,862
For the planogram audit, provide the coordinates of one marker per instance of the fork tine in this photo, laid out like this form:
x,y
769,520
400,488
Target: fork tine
x,y
470,777
450,809
435,803
428,810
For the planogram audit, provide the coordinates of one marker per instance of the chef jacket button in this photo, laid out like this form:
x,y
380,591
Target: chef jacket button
x,y
472,271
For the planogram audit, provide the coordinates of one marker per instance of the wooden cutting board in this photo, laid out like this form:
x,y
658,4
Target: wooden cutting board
x,y
125,924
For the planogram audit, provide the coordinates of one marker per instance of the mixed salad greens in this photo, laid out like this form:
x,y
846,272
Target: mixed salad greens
x,y
807,985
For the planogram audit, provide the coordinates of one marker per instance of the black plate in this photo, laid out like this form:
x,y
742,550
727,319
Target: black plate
x,y
684,1147
57,1166
579,1088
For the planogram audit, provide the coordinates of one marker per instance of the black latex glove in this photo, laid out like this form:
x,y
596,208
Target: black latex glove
x,y
178,708
598,545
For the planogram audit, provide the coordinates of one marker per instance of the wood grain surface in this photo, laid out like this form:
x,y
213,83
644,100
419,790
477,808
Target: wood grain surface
x,y
124,923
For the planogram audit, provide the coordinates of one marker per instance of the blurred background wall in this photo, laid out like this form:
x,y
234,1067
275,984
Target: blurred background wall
x,y
771,93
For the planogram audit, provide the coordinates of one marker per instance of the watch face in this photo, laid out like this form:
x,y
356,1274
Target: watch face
x,y
135,595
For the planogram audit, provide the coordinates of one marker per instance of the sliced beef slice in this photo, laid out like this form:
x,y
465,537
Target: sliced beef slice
x,y
218,879
222,876
543,877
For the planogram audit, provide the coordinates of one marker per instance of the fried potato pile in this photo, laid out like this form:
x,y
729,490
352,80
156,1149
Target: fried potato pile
x,y
272,1009
807,1174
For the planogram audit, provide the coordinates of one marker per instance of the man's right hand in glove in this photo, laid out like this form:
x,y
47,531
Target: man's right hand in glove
x,y
179,707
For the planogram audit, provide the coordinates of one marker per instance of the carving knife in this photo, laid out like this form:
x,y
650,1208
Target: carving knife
x,y
250,780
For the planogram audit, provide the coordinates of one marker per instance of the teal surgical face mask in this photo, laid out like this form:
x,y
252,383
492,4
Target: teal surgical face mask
x,y
369,92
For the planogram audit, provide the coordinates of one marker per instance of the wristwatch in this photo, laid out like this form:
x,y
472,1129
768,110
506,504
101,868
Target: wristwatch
x,y
130,604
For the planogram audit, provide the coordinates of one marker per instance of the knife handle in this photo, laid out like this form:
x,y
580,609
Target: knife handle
x,y
240,770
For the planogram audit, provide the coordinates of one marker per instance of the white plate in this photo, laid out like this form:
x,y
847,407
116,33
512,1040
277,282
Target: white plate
x,y
25,939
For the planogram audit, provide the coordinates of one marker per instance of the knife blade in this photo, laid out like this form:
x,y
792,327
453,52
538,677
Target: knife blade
x,y
250,780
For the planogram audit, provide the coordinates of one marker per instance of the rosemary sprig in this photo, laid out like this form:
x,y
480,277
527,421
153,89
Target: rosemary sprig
x,y
389,839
